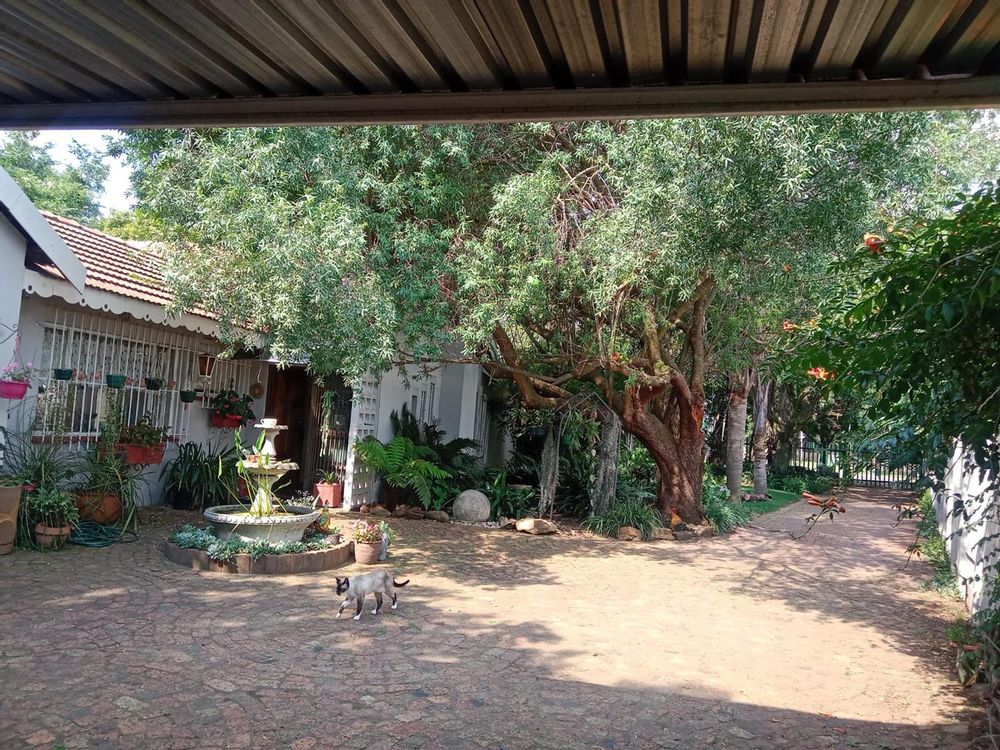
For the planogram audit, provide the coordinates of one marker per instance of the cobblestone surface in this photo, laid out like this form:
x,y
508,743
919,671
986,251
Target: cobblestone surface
x,y
501,641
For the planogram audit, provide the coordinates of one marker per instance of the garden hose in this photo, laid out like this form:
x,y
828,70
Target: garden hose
x,y
92,534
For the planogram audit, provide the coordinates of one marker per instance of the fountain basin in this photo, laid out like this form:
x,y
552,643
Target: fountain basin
x,y
289,526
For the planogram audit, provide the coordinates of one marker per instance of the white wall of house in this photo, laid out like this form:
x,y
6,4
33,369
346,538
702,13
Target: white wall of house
x,y
972,544
175,351
12,249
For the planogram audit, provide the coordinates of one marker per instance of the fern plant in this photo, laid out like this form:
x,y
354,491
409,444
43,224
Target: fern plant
x,y
407,466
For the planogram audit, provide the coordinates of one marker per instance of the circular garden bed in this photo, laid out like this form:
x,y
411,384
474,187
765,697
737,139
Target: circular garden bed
x,y
287,563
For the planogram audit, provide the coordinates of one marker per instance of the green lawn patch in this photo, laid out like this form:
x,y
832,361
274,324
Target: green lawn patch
x,y
779,499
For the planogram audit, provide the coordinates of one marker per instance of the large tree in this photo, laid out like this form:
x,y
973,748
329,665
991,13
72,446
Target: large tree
x,y
71,190
622,261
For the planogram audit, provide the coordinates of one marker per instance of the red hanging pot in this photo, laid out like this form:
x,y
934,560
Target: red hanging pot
x,y
13,389
227,421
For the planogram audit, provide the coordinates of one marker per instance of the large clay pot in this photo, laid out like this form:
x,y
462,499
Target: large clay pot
x,y
143,455
10,500
99,508
329,495
366,553
51,536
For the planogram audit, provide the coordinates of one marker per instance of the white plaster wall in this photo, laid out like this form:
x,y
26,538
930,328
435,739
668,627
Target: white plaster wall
x,y
35,312
957,507
12,249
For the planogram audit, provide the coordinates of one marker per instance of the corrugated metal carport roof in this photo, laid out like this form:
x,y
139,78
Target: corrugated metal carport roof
x,y
107,63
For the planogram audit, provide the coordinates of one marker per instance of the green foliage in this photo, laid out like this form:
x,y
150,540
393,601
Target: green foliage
x,y
135,224
931,547
794,484
915,322
451,456
507,501
200,476
405,465
72,191
629,509
50,506
367,533
47,464
143,433
778,499
231,403
192,537
636,466
724,514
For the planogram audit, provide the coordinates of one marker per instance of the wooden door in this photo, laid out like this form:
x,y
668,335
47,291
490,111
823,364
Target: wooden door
x,y
289,396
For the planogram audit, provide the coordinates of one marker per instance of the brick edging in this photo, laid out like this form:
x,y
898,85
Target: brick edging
x,y
291,563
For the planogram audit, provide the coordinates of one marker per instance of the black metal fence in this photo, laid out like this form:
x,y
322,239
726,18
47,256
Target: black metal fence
x,y
858,466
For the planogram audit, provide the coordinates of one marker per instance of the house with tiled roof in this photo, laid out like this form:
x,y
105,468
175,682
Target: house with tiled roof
x,y
95,312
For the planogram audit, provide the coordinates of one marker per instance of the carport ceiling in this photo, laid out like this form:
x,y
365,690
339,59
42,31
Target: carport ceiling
x,y
108,63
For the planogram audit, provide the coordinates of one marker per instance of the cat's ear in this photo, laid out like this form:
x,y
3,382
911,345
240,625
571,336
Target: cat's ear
x,y
339,579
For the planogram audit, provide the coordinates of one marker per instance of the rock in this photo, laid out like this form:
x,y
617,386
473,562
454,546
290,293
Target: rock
x,y
471,506
378,510
660,534
437,515
629,534
414,514
684,536
536,526
400,511
705,530
741,733
506,523
366,508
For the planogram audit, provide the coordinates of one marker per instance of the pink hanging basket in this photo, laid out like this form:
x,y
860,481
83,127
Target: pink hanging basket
x,y
13,389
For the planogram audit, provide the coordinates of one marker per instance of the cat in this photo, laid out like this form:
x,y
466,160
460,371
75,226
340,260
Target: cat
x,y
357,588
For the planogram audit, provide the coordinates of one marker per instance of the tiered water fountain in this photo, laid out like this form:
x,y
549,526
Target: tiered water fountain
x,y
266,517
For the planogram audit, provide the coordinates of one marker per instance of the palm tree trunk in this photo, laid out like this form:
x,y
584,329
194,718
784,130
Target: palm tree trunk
x,y
736,432
761,405
604,485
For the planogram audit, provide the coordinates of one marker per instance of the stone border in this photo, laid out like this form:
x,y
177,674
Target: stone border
x,y
313,561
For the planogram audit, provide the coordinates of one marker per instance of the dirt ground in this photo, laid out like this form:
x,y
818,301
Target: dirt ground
x,y
501,640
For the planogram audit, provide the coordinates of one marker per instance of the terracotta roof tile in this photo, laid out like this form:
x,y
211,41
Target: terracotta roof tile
x,y
113,264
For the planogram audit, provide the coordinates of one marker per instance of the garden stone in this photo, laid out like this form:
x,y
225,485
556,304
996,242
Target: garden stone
x,y
661,534
629,534
506,523
536,526
378,510
414,514
365,508
472,506
437,515
684,536
400,511
706,530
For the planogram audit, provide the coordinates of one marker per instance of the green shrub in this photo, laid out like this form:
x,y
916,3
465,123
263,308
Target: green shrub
x,y
507,501
191,537
931,547
819,484
724,514
630,509
794,484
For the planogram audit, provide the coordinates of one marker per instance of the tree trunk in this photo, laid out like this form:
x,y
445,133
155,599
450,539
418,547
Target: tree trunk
x,y
605,481
548,472
680,466
761,405
736,432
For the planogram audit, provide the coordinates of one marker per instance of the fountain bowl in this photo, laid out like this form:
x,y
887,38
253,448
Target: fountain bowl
x,y
289,526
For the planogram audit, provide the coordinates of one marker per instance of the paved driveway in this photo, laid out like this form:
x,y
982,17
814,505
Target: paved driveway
x,y
501,641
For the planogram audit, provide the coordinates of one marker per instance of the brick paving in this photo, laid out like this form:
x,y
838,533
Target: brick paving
x,y
501,641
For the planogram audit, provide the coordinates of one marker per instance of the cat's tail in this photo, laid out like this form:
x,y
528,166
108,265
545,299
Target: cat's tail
x,y
398,584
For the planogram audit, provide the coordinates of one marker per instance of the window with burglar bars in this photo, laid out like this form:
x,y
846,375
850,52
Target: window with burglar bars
x,y
93,347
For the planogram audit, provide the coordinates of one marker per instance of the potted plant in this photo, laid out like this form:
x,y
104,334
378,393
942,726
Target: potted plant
x,y
200,477
367,538
14,380
153,384
230,410
62,373
329,491
10,500
188,397
115,381
109,483
143,442
57,515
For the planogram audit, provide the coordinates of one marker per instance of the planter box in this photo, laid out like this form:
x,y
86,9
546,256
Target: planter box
x,y
142,455
329,495
13,389
62,373
227,421
93,506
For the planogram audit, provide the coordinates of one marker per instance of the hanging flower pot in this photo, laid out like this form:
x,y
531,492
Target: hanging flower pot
x,y
115,381
62,373
206,364
188,397
153,384
227,421
13,389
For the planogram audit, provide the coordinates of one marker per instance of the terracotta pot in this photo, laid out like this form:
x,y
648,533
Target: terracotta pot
x,y
10,500
142,454
329,495
99,508
366,553
13,389
51,536
227,421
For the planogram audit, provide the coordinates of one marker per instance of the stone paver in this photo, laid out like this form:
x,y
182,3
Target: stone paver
x,y
501,641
